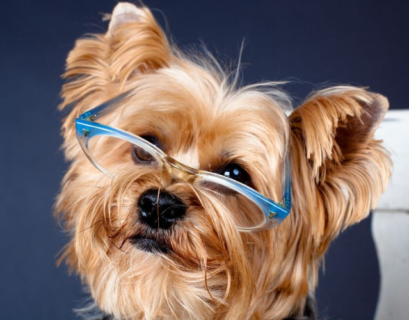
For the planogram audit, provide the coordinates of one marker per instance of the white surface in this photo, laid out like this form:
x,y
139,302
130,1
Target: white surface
x,y
394,130
392,243
390,224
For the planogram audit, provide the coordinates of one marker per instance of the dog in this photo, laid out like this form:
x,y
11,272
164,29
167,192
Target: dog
x,y
189,196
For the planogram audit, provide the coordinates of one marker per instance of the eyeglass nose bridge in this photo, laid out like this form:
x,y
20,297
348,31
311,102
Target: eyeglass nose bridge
x,y
179,170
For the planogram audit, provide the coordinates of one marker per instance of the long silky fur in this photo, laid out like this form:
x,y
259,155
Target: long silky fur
x,y
206,119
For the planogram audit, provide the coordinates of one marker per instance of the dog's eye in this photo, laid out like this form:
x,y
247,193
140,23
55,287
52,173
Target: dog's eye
x,y
141,156
236,172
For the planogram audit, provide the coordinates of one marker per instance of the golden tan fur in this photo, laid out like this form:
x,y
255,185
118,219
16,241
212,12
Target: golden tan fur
x,y
204,120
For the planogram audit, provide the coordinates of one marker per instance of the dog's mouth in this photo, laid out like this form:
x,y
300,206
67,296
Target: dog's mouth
x,y
149,244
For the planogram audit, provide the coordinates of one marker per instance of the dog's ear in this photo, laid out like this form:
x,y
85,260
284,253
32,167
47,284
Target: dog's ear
x,y
134,44
137,42
341,170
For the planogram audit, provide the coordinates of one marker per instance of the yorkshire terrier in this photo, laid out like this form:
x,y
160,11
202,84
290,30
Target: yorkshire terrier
x,y
191,197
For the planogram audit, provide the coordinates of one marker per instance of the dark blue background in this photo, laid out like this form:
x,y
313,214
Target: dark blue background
x,y
309,42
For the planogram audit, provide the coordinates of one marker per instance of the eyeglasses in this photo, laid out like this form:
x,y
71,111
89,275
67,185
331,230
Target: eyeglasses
x,y
255,211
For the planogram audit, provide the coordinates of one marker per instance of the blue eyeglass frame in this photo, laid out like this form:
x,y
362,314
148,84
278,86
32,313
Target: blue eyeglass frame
x,y
274,212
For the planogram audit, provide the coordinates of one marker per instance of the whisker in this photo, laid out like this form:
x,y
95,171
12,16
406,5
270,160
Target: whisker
x,y
99,221
97,231
157,206
120,249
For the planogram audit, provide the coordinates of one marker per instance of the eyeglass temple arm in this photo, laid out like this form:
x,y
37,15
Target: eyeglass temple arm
x,y
104,108
285,200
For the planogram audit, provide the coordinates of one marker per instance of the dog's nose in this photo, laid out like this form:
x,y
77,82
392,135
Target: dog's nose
x,y
160,213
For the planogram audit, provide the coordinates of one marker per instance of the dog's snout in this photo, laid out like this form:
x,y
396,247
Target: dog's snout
x,y
160,209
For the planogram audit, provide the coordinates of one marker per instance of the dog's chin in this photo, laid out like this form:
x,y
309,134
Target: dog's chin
x,y
149,245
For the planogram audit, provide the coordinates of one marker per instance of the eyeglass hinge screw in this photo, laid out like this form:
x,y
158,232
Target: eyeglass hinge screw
x,y
86,132
272,214
91,118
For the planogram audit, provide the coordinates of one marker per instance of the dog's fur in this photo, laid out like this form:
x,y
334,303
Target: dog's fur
x,y
205,120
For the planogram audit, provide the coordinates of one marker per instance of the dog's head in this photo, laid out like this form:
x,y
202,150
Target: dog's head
x,y
150,245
